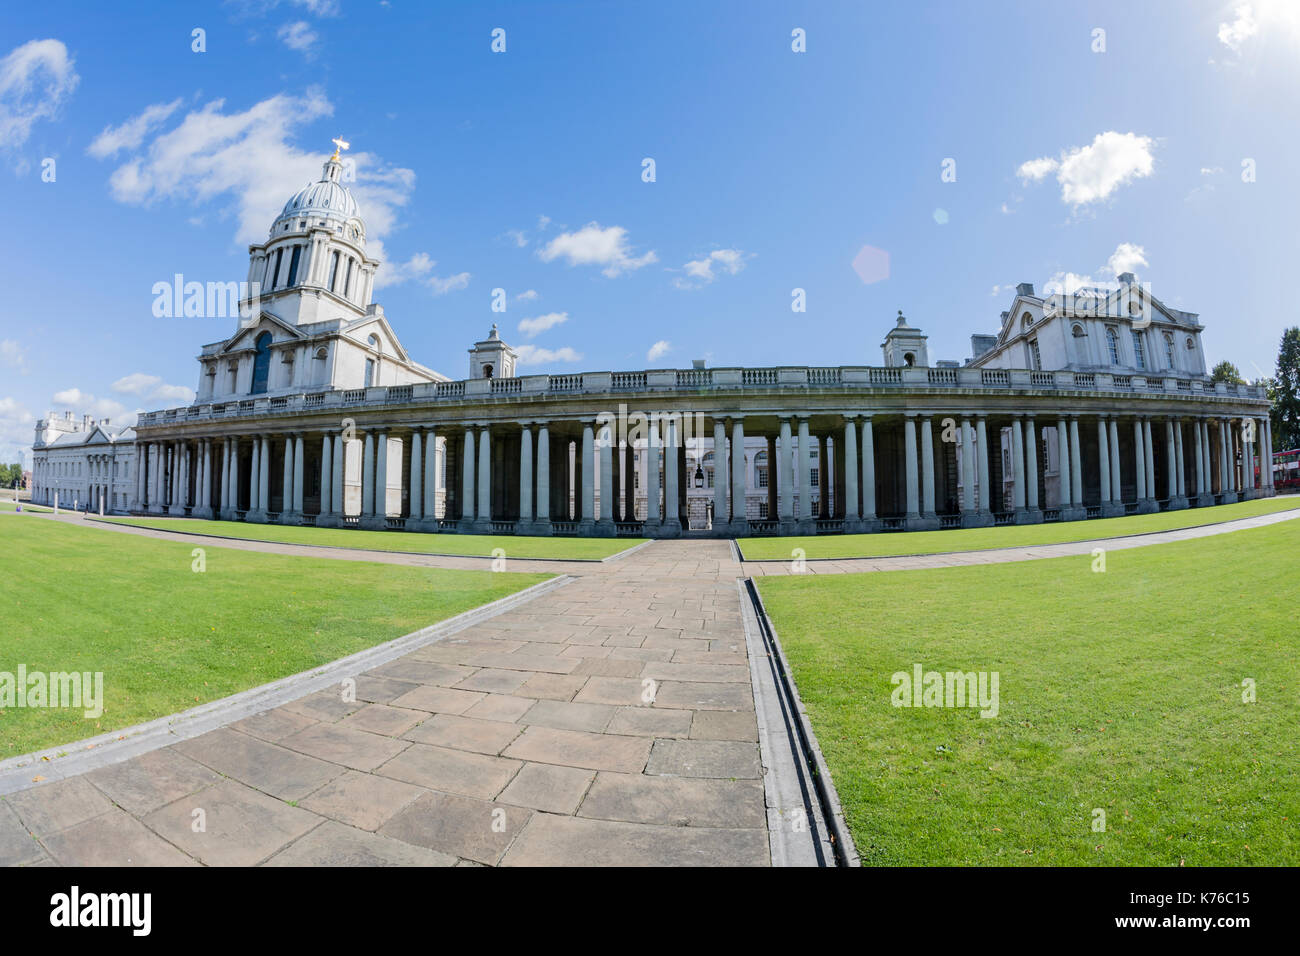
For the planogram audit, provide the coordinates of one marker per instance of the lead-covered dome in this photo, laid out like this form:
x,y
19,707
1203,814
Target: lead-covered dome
x,y
326,199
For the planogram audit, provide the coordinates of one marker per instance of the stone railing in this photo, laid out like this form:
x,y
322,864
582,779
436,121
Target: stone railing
x,y
720,380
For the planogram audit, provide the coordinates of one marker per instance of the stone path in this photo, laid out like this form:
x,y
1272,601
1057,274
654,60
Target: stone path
x,y
610,721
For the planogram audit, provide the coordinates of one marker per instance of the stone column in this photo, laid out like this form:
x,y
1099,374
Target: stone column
x,y
485,515
654,516
431,479
254,479
823,477
326,479
336,485
368,478
1019,497
1103,466
928,518
982,456
852,517
1034,513
1139,463
543,520
968,474
299,468
629,480
803,475
739,485
785,481
608,493
1063,466
588,511
234,475
1076,471
672,491
773,479
224,500
468,496
720,472
264,476
1151,465
1200,463
909,471
868,475
1268,452
381,480
1171,482
415,451
526,476
286,483
1116,489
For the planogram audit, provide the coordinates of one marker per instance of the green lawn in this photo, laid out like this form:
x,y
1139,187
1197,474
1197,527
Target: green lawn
x,y
168,638
9,506
1119,690
474,545
1008,536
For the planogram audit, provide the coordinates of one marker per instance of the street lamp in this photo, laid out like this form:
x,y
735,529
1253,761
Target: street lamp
x,y
699,476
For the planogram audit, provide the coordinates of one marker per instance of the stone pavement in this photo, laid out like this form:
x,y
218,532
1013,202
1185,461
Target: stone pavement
x,y
610,721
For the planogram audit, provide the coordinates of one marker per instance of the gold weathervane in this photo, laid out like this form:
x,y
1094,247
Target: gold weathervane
x,y
339,143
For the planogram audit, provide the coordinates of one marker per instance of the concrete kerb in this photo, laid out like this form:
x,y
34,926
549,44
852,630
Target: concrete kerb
x,y
1016,547
785,786
344,547
69,760
830,814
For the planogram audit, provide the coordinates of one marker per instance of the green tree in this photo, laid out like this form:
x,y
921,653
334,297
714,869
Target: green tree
x,y
1227,373
1285,393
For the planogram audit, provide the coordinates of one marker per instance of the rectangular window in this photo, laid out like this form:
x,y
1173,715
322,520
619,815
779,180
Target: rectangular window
x,y
293,265
762,478
370,372
1139,351
1035,356
275,276
762,509
709,473
814,476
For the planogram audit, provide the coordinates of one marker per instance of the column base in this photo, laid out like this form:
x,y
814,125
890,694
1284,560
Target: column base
x,y
1020,516
805,526
1204,500
329,521
1177,503
735,529
669,528
1149,506
256,517
373,523
605,529
1229,497
204,513
1073,513
291,517
928,522
1112,509
1033,516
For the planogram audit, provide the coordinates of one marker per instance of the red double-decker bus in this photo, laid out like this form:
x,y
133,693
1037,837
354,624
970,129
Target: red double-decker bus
x,y
1286,470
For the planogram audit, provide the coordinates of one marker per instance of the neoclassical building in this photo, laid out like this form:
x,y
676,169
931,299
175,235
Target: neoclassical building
x,y
1085,405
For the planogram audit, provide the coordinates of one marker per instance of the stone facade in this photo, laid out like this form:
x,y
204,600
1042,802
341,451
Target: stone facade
x,y
1092,404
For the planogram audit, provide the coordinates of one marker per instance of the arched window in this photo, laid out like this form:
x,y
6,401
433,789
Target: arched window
x,y
1112,343
487,370
1026,320
1169,350
261,362
909,359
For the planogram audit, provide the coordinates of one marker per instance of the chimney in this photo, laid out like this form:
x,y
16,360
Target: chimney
x,y
697,363
1025,288
1127,278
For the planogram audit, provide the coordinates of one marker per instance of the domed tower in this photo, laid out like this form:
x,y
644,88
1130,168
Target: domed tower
x,y
313,267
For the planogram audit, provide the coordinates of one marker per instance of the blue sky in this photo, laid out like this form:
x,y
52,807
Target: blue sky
x,y
523,170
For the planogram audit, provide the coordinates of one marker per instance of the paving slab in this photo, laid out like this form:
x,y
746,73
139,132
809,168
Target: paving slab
x,y
476,830
334,844
552,840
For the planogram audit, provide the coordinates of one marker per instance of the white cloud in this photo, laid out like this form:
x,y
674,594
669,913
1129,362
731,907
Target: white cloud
x,y
449,284
1035,169
1211,170
533,355
730,261
535,326
13,355
298,36
594,245
1066,283
528,296
1234,34
1091,173
395,273
86,404
658,350
149,387
35,79
518,236
131,134
1126,258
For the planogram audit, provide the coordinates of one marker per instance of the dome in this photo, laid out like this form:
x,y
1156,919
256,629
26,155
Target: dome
x,y
327,198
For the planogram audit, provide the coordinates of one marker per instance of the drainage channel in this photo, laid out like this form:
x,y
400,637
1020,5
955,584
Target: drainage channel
x,y
816,789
